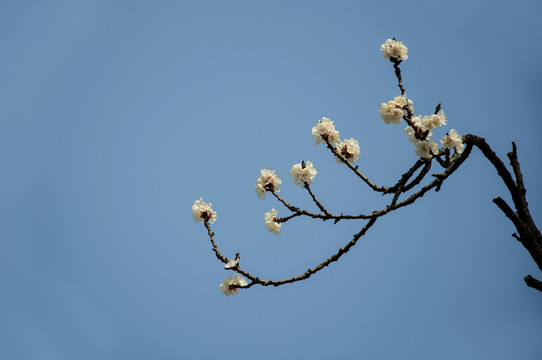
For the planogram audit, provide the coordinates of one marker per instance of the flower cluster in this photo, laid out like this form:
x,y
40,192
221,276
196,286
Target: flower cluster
x,y
325,130
453,140
271,221
348,148
419,134
394,49
202,211
411,133
420,129
424,148
394,110
303,173
231,285
268,181
434,121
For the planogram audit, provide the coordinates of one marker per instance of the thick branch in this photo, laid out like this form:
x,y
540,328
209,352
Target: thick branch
x,y
503,172
529,235
532,282
513,156
507,210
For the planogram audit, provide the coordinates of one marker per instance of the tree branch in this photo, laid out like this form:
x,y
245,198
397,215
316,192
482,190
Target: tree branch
x,y
527,232
532,282
257,281
398,74
529,235
320,206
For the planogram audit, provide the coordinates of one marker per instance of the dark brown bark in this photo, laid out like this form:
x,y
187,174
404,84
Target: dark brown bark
x,y
527,232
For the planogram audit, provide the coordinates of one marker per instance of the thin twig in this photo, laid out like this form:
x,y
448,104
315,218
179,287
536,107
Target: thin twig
x,y
320,206
355,169
398,74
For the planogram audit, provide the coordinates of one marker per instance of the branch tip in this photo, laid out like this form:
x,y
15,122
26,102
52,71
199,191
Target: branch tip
x,y
532,282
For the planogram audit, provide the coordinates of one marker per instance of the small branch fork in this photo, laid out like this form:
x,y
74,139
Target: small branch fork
x,y
527,232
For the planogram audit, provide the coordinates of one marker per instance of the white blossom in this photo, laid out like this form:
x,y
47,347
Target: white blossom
x,y
349,149
233,263
453,140
394,49
304,172
411,134
394,110
424,148
271,221
417,123
391,113
325,130
268,180
434,120
229,286
202,211
405,103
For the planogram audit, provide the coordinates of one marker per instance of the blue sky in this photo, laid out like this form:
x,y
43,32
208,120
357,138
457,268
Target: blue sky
x,y
115,116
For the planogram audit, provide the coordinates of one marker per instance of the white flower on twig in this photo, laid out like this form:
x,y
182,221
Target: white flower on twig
x,y
202,211
231,285
453,140
303,172
232,264
394,110
411,134
394,49
268,180
434,121
422,130
348,148
424,148
271,221
325,130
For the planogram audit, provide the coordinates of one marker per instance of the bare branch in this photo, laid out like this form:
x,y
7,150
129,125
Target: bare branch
x,y
503,172
290,207
355,169
315,269
532,282
285,219
215,248
306,186
398,74
505,208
